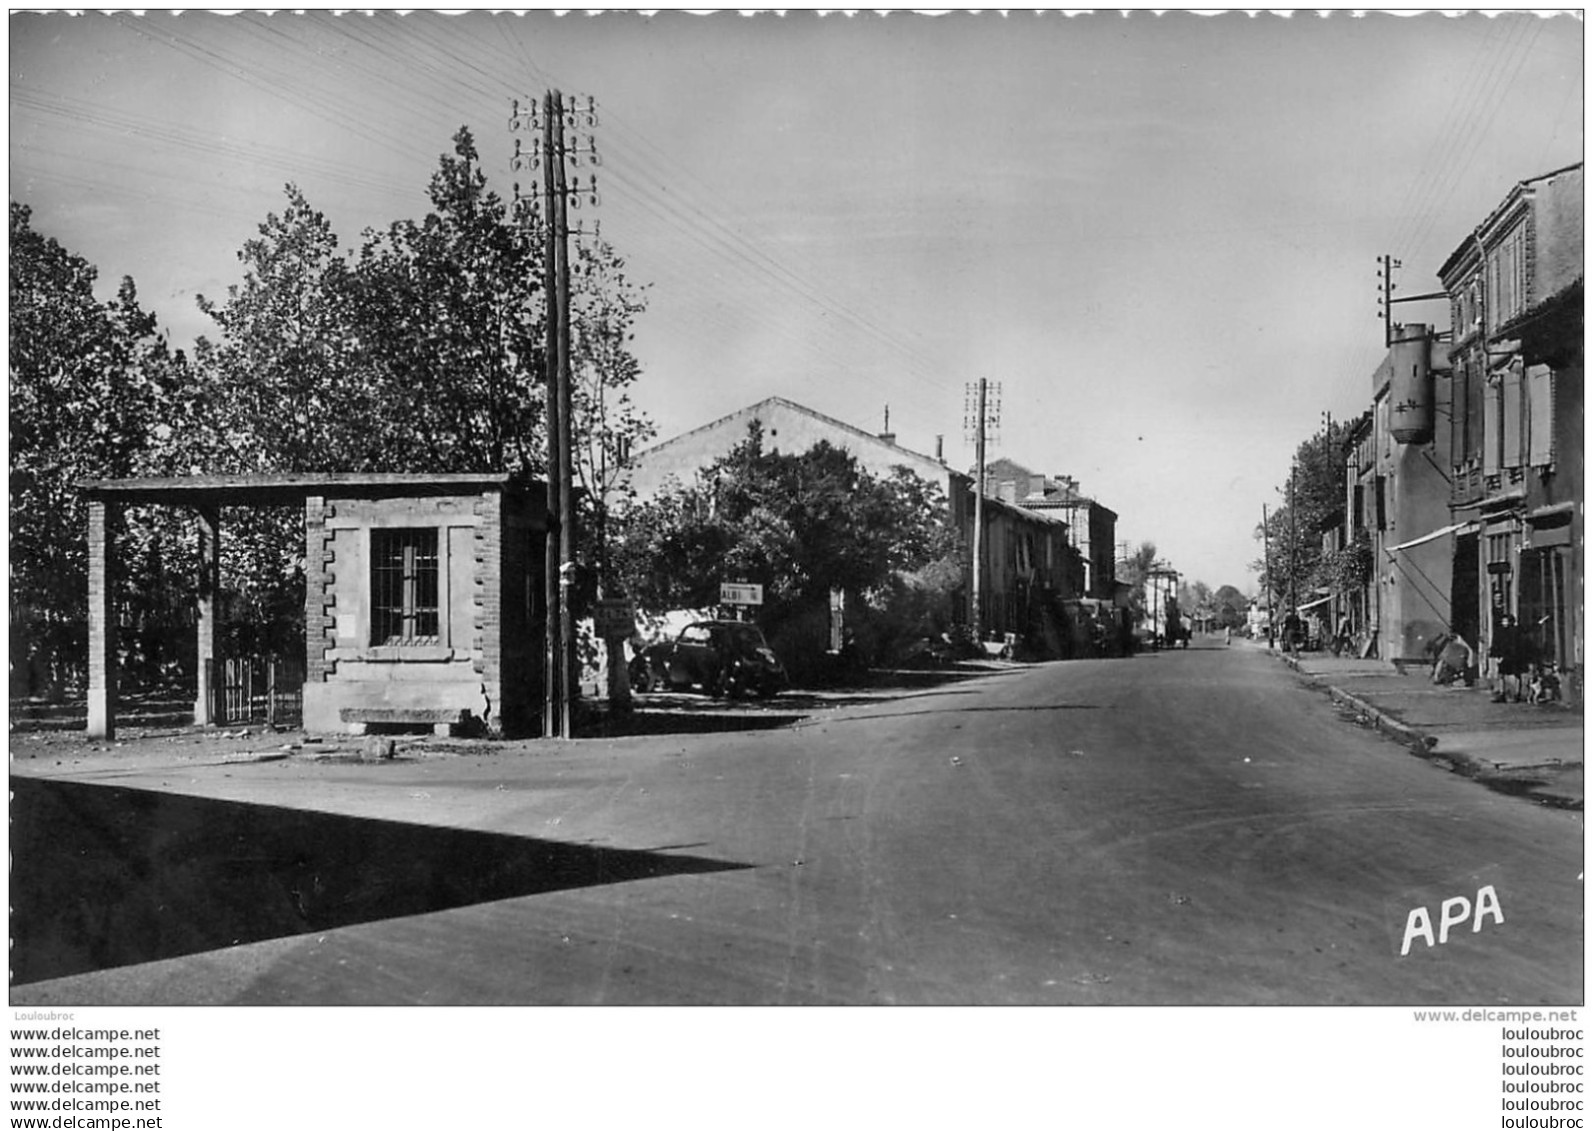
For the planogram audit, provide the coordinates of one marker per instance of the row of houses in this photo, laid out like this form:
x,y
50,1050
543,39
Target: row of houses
x,y
1048,549
1464,477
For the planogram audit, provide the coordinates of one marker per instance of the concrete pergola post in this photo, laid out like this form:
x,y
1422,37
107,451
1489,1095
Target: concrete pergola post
x,y
209,585
101,620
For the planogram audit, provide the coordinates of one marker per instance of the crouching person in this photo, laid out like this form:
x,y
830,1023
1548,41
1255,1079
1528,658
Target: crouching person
x,y
1456,660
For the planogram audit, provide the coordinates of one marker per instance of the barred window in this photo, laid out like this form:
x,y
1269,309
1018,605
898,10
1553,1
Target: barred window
x,y
404,572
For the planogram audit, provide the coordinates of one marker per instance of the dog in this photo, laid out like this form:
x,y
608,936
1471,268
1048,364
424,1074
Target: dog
x,y
1544,686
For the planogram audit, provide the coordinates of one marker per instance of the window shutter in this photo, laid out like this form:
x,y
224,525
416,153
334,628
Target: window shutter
x,y
1540,416
1510,392
1490,427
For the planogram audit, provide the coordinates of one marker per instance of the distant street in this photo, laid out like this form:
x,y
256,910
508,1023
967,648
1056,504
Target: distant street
x,y
1178,828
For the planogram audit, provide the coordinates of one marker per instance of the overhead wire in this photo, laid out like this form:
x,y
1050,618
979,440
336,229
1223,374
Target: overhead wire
x,y
650,159
480,78
1498,61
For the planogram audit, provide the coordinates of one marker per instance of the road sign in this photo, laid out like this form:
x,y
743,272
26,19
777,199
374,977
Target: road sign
x,y
614,616
740,593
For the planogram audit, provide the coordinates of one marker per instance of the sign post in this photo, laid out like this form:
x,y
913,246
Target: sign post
x,y
614,618
741,594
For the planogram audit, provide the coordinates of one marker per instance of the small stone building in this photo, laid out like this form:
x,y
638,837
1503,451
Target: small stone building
x,y
424,594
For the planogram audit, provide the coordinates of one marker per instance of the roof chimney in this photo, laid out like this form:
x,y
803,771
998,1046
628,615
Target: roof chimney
x,y
940,449
888,436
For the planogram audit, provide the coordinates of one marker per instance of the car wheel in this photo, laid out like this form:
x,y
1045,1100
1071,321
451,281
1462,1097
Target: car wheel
x,y
642,679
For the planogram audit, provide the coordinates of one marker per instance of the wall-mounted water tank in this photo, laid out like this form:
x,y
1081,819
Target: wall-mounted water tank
x,y
1410,394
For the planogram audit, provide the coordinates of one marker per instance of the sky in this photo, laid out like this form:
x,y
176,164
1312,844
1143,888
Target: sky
x,y
1156,235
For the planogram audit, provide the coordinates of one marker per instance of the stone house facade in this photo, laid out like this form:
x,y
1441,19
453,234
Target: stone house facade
x,y
1397,500
424,594
1516,426
1091,527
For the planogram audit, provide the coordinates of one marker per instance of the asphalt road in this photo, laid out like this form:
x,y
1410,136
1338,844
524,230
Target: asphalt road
x,y
1194,827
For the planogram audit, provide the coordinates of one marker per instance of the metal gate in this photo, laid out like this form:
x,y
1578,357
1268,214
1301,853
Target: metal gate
x,y
250,689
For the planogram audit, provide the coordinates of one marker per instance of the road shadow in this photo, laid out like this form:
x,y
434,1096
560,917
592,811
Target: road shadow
x,y
683,712
105,876
653,715
869,718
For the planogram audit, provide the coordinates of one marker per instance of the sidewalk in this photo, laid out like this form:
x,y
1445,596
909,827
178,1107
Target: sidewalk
x,y
1535,751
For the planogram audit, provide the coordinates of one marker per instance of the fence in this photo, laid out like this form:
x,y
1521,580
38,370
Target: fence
x,y
250,689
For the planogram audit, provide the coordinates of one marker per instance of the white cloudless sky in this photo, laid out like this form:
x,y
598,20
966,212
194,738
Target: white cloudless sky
x,y
1158,234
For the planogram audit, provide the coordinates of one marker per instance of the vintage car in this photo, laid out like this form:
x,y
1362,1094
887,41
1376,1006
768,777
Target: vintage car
x,y
721,657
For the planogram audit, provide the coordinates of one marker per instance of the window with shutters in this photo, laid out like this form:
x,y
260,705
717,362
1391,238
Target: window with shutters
x,y
1540,416
1476,398
1510,416
404,586
1492,432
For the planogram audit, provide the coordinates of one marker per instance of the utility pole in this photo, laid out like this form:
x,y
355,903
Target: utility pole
x,y
1266,559
566,495
559,560
1294,537
553,669
1386,300
979,422
1385,295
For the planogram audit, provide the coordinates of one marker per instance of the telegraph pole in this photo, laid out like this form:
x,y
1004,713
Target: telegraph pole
x,y
559,557
978,422
1386,300
979,520
566,495
553,669
1294,537
1266,559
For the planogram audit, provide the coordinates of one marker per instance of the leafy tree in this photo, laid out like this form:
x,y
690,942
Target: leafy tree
x,y
450,319
1348,570
93,393
1134,572
800,525
283,392
1195,598
1313,498
423,352
278,379
605,305
1231,606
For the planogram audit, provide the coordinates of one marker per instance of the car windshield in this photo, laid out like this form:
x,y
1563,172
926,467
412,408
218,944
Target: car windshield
x,y
747,636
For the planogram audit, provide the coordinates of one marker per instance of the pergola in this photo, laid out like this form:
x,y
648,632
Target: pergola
x,y
205,495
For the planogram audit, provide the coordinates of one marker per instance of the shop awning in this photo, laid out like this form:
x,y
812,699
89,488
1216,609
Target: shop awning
x,y
1439,533
1312,604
